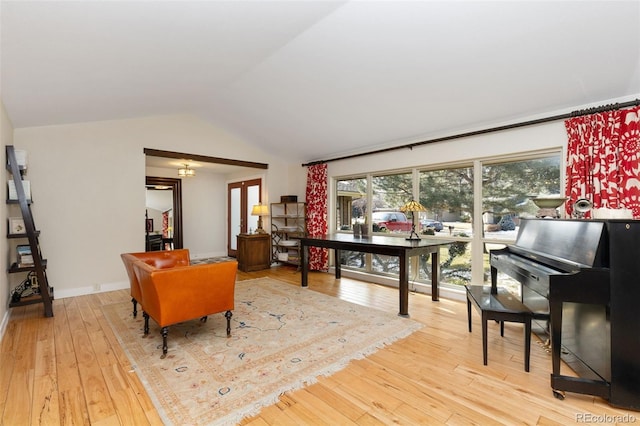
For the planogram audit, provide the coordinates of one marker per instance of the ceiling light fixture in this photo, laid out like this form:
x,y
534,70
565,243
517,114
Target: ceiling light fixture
x,y
186,172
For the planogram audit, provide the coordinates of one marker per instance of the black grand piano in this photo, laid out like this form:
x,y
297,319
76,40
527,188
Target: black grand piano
x,y
581,278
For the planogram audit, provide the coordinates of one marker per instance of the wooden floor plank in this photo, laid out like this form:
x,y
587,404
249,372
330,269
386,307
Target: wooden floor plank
x,y
45,403
323,411
98,402
124,398
325,392
71,370
18,405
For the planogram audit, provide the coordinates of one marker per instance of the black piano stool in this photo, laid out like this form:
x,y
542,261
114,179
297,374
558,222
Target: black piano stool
x,y
501,307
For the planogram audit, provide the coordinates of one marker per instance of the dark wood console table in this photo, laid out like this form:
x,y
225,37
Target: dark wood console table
x,y
254,252
390,246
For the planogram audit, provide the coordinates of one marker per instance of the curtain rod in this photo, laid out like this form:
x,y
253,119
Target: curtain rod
x,y
577,113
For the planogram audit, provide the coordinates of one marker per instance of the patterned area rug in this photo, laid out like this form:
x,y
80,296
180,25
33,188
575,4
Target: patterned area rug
x,y
283,337
211,260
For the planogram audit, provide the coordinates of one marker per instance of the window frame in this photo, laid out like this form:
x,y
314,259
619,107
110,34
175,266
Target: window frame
x,y
477,239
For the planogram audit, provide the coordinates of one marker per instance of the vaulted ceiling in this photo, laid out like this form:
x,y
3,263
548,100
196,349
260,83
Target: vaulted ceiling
x,y
315,79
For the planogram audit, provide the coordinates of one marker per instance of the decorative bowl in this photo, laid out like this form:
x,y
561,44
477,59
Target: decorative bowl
x,y
549,201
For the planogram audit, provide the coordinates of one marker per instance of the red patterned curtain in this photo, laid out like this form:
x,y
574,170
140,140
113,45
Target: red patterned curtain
x,y
165,224
603,160
317,214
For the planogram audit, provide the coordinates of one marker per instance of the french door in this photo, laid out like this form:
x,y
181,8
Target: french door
x,y
241,197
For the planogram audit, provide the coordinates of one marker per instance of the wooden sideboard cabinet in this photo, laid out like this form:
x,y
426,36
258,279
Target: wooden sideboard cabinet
x,y
254,252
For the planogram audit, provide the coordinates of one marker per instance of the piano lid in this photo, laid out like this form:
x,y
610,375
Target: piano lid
x,y
581,242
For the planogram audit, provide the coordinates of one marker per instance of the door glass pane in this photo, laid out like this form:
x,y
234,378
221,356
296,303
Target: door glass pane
x,y
235,219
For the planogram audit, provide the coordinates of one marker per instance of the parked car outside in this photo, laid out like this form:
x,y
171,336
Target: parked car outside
x,y
391,221
431,223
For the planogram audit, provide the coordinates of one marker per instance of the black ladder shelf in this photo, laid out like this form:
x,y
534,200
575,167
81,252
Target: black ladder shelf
x,y
39,264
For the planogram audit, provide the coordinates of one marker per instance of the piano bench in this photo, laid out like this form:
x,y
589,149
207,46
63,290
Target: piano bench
x,y
500,307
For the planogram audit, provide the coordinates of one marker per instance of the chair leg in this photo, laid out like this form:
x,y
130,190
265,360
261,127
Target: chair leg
x,y
164,331
501,328
135,307
228,316
146,323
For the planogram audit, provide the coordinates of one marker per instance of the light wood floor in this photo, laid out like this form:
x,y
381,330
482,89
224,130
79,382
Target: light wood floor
x,y
70,370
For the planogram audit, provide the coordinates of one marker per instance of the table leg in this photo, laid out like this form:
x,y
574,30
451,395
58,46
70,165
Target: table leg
x,y
304,263
404,285
435,275
337,257
494,280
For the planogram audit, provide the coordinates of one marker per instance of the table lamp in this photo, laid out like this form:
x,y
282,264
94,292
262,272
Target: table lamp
x,y
260,210
413,206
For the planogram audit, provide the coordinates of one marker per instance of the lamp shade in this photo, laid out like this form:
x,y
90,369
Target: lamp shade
x,y
413,206
260,210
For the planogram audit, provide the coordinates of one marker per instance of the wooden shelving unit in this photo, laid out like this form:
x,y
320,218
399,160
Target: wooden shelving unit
x,y
43,292
288,221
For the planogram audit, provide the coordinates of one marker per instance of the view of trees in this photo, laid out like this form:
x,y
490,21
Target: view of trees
x,y
507,189
392,191
448,193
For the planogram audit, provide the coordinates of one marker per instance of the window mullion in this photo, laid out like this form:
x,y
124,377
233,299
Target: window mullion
x,y
477,259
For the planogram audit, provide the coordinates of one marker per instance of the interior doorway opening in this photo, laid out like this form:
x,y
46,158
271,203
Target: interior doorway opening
x,y
174,235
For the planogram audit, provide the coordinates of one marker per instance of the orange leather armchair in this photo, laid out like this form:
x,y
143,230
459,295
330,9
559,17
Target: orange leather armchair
x,y
181,293
160,259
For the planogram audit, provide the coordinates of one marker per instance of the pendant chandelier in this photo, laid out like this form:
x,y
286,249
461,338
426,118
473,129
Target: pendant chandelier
x,y
186,172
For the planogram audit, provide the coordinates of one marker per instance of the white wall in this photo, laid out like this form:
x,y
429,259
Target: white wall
x,y
531,138
89,195
6,138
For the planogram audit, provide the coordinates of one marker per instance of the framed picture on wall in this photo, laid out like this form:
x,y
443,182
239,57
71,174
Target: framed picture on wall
x,y
16,226
149,225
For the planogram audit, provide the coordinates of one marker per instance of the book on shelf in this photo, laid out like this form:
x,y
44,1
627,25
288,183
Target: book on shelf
x,y
16,226
13,193
21,158
25,257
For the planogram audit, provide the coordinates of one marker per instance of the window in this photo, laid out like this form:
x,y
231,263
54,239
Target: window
x,y
390,193
447,194
351,208
507,189
476,220
351,203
